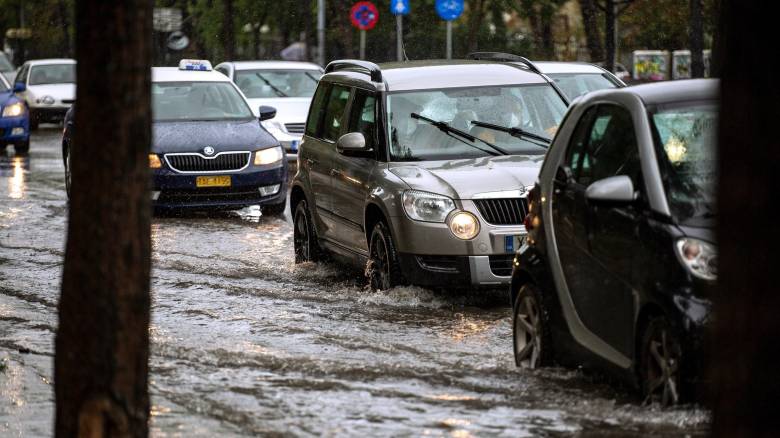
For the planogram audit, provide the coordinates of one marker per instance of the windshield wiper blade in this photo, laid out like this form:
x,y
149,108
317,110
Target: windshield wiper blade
x,y
515,132
447,129
278,92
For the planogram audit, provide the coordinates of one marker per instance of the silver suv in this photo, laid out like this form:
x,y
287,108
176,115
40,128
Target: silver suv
x,y
419,170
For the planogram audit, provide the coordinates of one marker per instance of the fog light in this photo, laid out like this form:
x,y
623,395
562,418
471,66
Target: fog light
x,y
17,131
155,194
270,190
464,225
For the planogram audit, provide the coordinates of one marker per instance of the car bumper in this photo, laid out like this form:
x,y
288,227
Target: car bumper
x,y
173,190
457,271
49,114
13,129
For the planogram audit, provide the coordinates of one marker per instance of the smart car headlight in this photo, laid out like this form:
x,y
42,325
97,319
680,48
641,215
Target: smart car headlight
x,y
699,257
264,157
13,110
427,207
464,225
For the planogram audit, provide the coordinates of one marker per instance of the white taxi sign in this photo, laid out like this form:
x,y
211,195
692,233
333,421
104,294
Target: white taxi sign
x,y
195,64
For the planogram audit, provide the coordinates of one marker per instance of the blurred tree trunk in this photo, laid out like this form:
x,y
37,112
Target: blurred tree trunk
x,y
612,10
228,30
339,30
592,32
476,16
745,387
102,342
63,12
696,38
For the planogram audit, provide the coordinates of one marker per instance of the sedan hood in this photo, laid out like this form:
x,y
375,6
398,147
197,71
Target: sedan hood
x,y
462,179
57,91
221,135
288,109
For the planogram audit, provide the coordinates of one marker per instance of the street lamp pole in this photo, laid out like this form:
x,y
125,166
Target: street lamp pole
x,y
321,32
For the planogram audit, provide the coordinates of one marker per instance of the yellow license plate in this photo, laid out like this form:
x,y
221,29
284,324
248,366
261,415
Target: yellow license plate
x,y
213,181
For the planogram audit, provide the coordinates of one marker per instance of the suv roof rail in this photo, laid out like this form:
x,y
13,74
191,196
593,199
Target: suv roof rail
x,y
368,67
503,57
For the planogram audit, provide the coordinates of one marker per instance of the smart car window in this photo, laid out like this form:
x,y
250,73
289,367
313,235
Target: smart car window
x,y
612,148
576,158
316,110
363,116
182,101
53,74
257,84
337,103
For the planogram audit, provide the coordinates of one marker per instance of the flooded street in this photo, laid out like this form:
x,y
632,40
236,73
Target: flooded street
x,y
244,342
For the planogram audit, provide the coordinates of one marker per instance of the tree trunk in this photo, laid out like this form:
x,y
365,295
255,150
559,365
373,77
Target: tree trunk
x,y
65,27
744,357
102,342
228,31
475,23
696,39
610,37
592,32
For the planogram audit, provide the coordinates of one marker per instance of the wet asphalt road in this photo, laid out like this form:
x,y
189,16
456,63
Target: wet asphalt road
x,y
244,342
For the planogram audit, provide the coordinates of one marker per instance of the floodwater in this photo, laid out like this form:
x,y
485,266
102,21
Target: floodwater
x,y
244,342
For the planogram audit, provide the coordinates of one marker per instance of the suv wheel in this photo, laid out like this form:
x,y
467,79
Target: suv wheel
x,y
530,330
659,363
307,249
383,270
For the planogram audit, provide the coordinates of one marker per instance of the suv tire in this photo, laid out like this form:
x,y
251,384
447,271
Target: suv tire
x,y
307,248
531,329
383,269
659,363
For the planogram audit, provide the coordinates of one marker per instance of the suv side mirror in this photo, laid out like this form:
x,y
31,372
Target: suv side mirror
x,y
19,87
616,189
352,142
266,112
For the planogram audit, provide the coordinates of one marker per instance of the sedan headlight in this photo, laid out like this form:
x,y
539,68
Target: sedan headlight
x,y
427,207
154,161
264,157
699,257
13,110
464,225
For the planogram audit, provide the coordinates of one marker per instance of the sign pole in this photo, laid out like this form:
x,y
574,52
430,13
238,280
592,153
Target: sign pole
x,y
449,39
362,44
321,32
399,34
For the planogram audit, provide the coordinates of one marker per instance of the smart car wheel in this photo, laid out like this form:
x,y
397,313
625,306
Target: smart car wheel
x,y
529,330
67,174
659,366
383,270
304,236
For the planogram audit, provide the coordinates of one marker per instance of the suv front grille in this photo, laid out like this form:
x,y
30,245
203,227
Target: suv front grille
x,y
222,162
507,211
295,128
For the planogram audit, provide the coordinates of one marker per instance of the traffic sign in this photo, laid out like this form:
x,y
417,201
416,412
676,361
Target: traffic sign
x,y
449,9
399,7
364,15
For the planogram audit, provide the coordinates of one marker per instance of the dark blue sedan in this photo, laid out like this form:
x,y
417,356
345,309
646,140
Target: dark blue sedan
x,y
15,120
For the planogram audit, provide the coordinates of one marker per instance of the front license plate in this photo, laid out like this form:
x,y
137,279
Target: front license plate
x,y
213,181
513,243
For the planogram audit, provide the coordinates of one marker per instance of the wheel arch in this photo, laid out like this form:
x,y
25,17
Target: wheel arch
x,y
520,278
297,194
374,214
647,312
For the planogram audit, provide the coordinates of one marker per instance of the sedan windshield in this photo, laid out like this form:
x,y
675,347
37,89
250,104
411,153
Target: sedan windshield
x,y
180,101
574,85
257,84
685,136
534,109
53,74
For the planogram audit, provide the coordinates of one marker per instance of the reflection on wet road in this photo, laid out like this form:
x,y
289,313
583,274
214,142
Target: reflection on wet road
x,y
247,343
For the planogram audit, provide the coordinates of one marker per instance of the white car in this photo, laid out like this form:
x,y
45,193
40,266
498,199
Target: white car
x,y
285,85
50,88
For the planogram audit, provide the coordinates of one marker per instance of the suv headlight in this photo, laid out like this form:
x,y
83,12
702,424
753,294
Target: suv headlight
x,y
264,157
699,257
13,110
427,207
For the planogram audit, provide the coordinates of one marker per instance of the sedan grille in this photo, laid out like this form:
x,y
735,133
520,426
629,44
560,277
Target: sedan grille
x,y
508,211
295,128
222,162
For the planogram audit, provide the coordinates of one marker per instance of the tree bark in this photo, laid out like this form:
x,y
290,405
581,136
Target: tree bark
x,y
744,357
228,31
65,27
610,35
102,341
592,32
696,38
475,23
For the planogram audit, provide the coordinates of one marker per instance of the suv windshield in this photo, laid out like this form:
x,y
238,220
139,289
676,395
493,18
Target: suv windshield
x,y
53,74
536,109
177,101
576,84
277,83
685,134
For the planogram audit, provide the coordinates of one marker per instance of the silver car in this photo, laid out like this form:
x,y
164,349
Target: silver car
x,y
419,170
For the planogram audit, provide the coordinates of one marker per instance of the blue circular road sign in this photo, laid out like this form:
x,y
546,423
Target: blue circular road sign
x,y
449,9
399,7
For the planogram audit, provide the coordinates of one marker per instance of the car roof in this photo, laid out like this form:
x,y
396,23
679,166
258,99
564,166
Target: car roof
x,y
49,61
552,67
173,74
275,65
438,74
659,93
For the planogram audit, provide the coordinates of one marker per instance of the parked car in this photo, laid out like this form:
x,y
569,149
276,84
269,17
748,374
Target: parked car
x,y
208,150
419,170
287,86
620,263
14,118
49,89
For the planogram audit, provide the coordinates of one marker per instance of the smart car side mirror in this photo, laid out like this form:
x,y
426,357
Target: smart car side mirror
x,y
352,142
615,189
19,87
266,112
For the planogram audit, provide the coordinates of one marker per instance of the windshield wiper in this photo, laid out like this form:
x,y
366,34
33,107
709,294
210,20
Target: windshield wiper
x,y
447,129
514,132
278,92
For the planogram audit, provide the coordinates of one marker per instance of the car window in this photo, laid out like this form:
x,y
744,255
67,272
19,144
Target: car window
x,y
22,75
334,113
277,83
574,85
576,159
53,74
181,101
317,110
224,70
363,117
612,148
